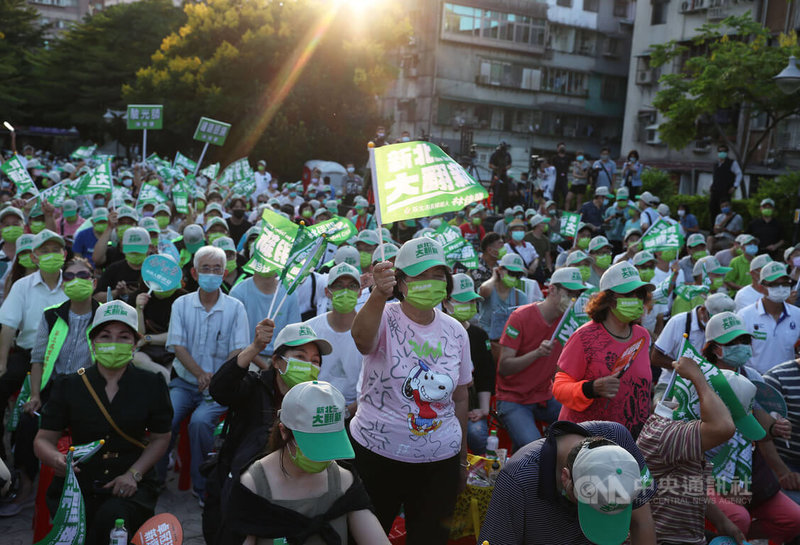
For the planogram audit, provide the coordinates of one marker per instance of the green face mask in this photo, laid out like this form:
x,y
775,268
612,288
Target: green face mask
x,y
716,283
344,300
476,221
230,266
545,227
26,261
583,243
121,230
628,309
101,227
298,371
699,254
51,263
463,312
365,259
510,281
603,261
164,294
586,272
135,258
426,294
307,213
163,221
647,274
669,255
739,251
154,183
214,236
79,289
767,212
113,355
37,227
11,233
305,463
199,206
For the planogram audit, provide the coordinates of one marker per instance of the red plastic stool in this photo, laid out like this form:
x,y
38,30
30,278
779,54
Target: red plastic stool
x,y
184,457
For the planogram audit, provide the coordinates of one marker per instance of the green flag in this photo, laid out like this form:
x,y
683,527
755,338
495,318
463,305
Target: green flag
x,y
83,152
669,238
236,171
658,226
150,194
661,293
465,255
690,291
450,238
69,522
22,398
574,318
305,255
244,187
337,229
211,171
569,224
95,181
274,244
418,179
181,161
17,173
83,453
181,200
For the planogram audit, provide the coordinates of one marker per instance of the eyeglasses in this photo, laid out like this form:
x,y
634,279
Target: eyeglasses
x,y
210,270
83,275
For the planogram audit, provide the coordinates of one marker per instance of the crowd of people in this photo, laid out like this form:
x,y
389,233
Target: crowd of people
x,y
360,398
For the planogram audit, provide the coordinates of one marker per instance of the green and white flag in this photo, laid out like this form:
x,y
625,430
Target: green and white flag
x,y
569,224
418,179
450,238
273,246
669,238
661,293
69,522
181,161
96,181
17,173
244,187
83,453
211,171
306,253
83,152
658,226
150,194
465,255
575,317
22,398
181,200
235,172
690,291
337,230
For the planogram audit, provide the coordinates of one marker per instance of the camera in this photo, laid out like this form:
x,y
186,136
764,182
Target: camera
x,y
473,152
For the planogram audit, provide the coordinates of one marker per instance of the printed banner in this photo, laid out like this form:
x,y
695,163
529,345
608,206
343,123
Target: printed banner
x,y
236,171
145,116
151,194
418,179
690,291
661,293
96,181
669,238
69,523
338,230
211,171
212,131
273,246
569,224
17,173
83,152
305,255
181,161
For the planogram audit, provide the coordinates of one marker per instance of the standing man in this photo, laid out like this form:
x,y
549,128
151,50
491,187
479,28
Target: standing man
x,y
263,179
562,165
499,163
727,226
726,180
605,169
353,185
768,230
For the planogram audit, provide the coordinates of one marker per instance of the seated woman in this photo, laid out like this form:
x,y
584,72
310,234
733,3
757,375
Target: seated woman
x,y
118,482
296,491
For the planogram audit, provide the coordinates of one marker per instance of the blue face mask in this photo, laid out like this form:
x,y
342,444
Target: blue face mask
x,y
99,202
722,154
737,355
605,202
209,282
517,235
751,249
292,194
725,210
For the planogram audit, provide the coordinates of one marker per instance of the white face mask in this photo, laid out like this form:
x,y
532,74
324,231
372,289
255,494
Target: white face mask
x,y
778,294
351,170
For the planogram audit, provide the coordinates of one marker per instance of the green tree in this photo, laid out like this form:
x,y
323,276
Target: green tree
x,y
297,80
20,38
82,73
731,69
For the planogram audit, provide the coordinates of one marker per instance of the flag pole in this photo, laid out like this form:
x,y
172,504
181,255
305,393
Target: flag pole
x,y
374,176
144,145
300,274
200,161
563,317
47,190
671,382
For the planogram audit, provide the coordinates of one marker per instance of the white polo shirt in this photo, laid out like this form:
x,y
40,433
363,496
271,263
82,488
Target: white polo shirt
x,y
208,336
746,296
24,304
773,341
669,342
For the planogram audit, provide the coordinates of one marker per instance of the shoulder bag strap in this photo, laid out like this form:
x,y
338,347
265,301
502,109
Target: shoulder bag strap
x,y
128,438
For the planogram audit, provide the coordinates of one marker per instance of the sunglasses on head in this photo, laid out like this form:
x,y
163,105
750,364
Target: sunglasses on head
x,y
83,275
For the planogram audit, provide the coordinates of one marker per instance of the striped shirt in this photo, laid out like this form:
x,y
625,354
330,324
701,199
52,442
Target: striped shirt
x,y
674,454
786,379
527,508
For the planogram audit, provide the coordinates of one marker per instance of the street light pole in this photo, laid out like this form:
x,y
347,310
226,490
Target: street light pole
x,y
788,81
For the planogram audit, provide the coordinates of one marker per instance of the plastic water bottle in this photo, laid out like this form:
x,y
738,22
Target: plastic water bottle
x,y
119,534
491,445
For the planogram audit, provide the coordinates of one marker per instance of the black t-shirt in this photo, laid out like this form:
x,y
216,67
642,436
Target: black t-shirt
x,y
119,272
483,372
157,312
767,233
238,231
562,165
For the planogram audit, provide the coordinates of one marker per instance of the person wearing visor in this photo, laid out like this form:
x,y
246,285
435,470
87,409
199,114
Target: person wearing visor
x,y
120,483
600,251
107,250
502,294
581,261
298,492
410,428
23,263
524,249
366,244
604,369
86,239
125,277
695,250
769,513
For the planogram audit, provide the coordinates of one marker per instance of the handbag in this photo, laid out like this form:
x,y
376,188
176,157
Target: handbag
x,y
128,438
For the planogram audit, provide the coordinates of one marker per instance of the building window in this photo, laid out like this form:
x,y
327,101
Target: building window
x,y
506,74
612,47
565,82
620,8
591,5
658,13
494,26
564,3
613,88
585,42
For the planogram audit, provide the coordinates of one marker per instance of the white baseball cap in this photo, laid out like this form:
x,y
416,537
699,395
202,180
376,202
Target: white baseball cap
x,y
602,191
343,269
623,278
46,235
225,243
418,255
695,239
772,271
568,277
369,236
299,334
597,243
136,240
314,411
759,261
389,251
576,257
512,262
725,327
349,255
711,265
537,219
464,288
645,256
115,311
719,302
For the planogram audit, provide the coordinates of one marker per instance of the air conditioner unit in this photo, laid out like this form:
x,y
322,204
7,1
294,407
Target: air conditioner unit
x,y
644,77
685,6
652,135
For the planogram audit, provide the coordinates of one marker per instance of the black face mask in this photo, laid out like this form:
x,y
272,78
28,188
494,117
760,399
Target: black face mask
x,y
238,213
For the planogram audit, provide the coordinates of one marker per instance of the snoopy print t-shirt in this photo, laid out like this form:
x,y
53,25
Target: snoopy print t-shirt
x,y
406,410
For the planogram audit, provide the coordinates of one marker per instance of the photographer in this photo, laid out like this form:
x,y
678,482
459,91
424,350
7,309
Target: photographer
x,y
604,170
499,163
632,173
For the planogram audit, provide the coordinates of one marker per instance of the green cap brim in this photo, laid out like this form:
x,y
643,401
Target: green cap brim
x,y
572,286
730,335
776,276
721,270
322,447
419,268
134,249
513,268
604,529
628,287
466,296
324,346
194,247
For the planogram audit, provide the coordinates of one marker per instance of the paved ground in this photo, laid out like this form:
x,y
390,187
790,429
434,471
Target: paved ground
x,y
17,530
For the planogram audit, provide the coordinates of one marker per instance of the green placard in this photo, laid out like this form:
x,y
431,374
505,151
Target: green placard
x,y
145,116
212,131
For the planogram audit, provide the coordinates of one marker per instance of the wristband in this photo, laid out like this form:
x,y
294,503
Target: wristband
x,y
588,389
770,429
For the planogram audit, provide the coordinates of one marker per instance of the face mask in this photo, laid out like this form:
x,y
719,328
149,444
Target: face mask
x,y
586,272
631,159
579,158
113,355
362,211
381,135
722,154
292,194
230,265
668,255
725,210
209,282
298,371
307,213
699,254
199,206
604,157
518,235
99,202
344,300
79,289
26,261
163,221
737,355
751,249
127,182
463,312
508,219
154,183
778,294
476,221
681,213
100,227
405,139
716,283
583,243
51,263
796,261
305,463
238,213
510,281
11,233
605,201
767,212
545,227
603,261
164,294
646,274
261,168
364,259
214,236
628,309
426,294
37,227
135,258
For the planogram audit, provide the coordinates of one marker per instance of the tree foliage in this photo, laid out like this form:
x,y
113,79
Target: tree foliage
x,y
296,79
734,70
20,39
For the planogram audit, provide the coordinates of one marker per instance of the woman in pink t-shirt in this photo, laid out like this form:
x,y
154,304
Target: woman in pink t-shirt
x,y
604,370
